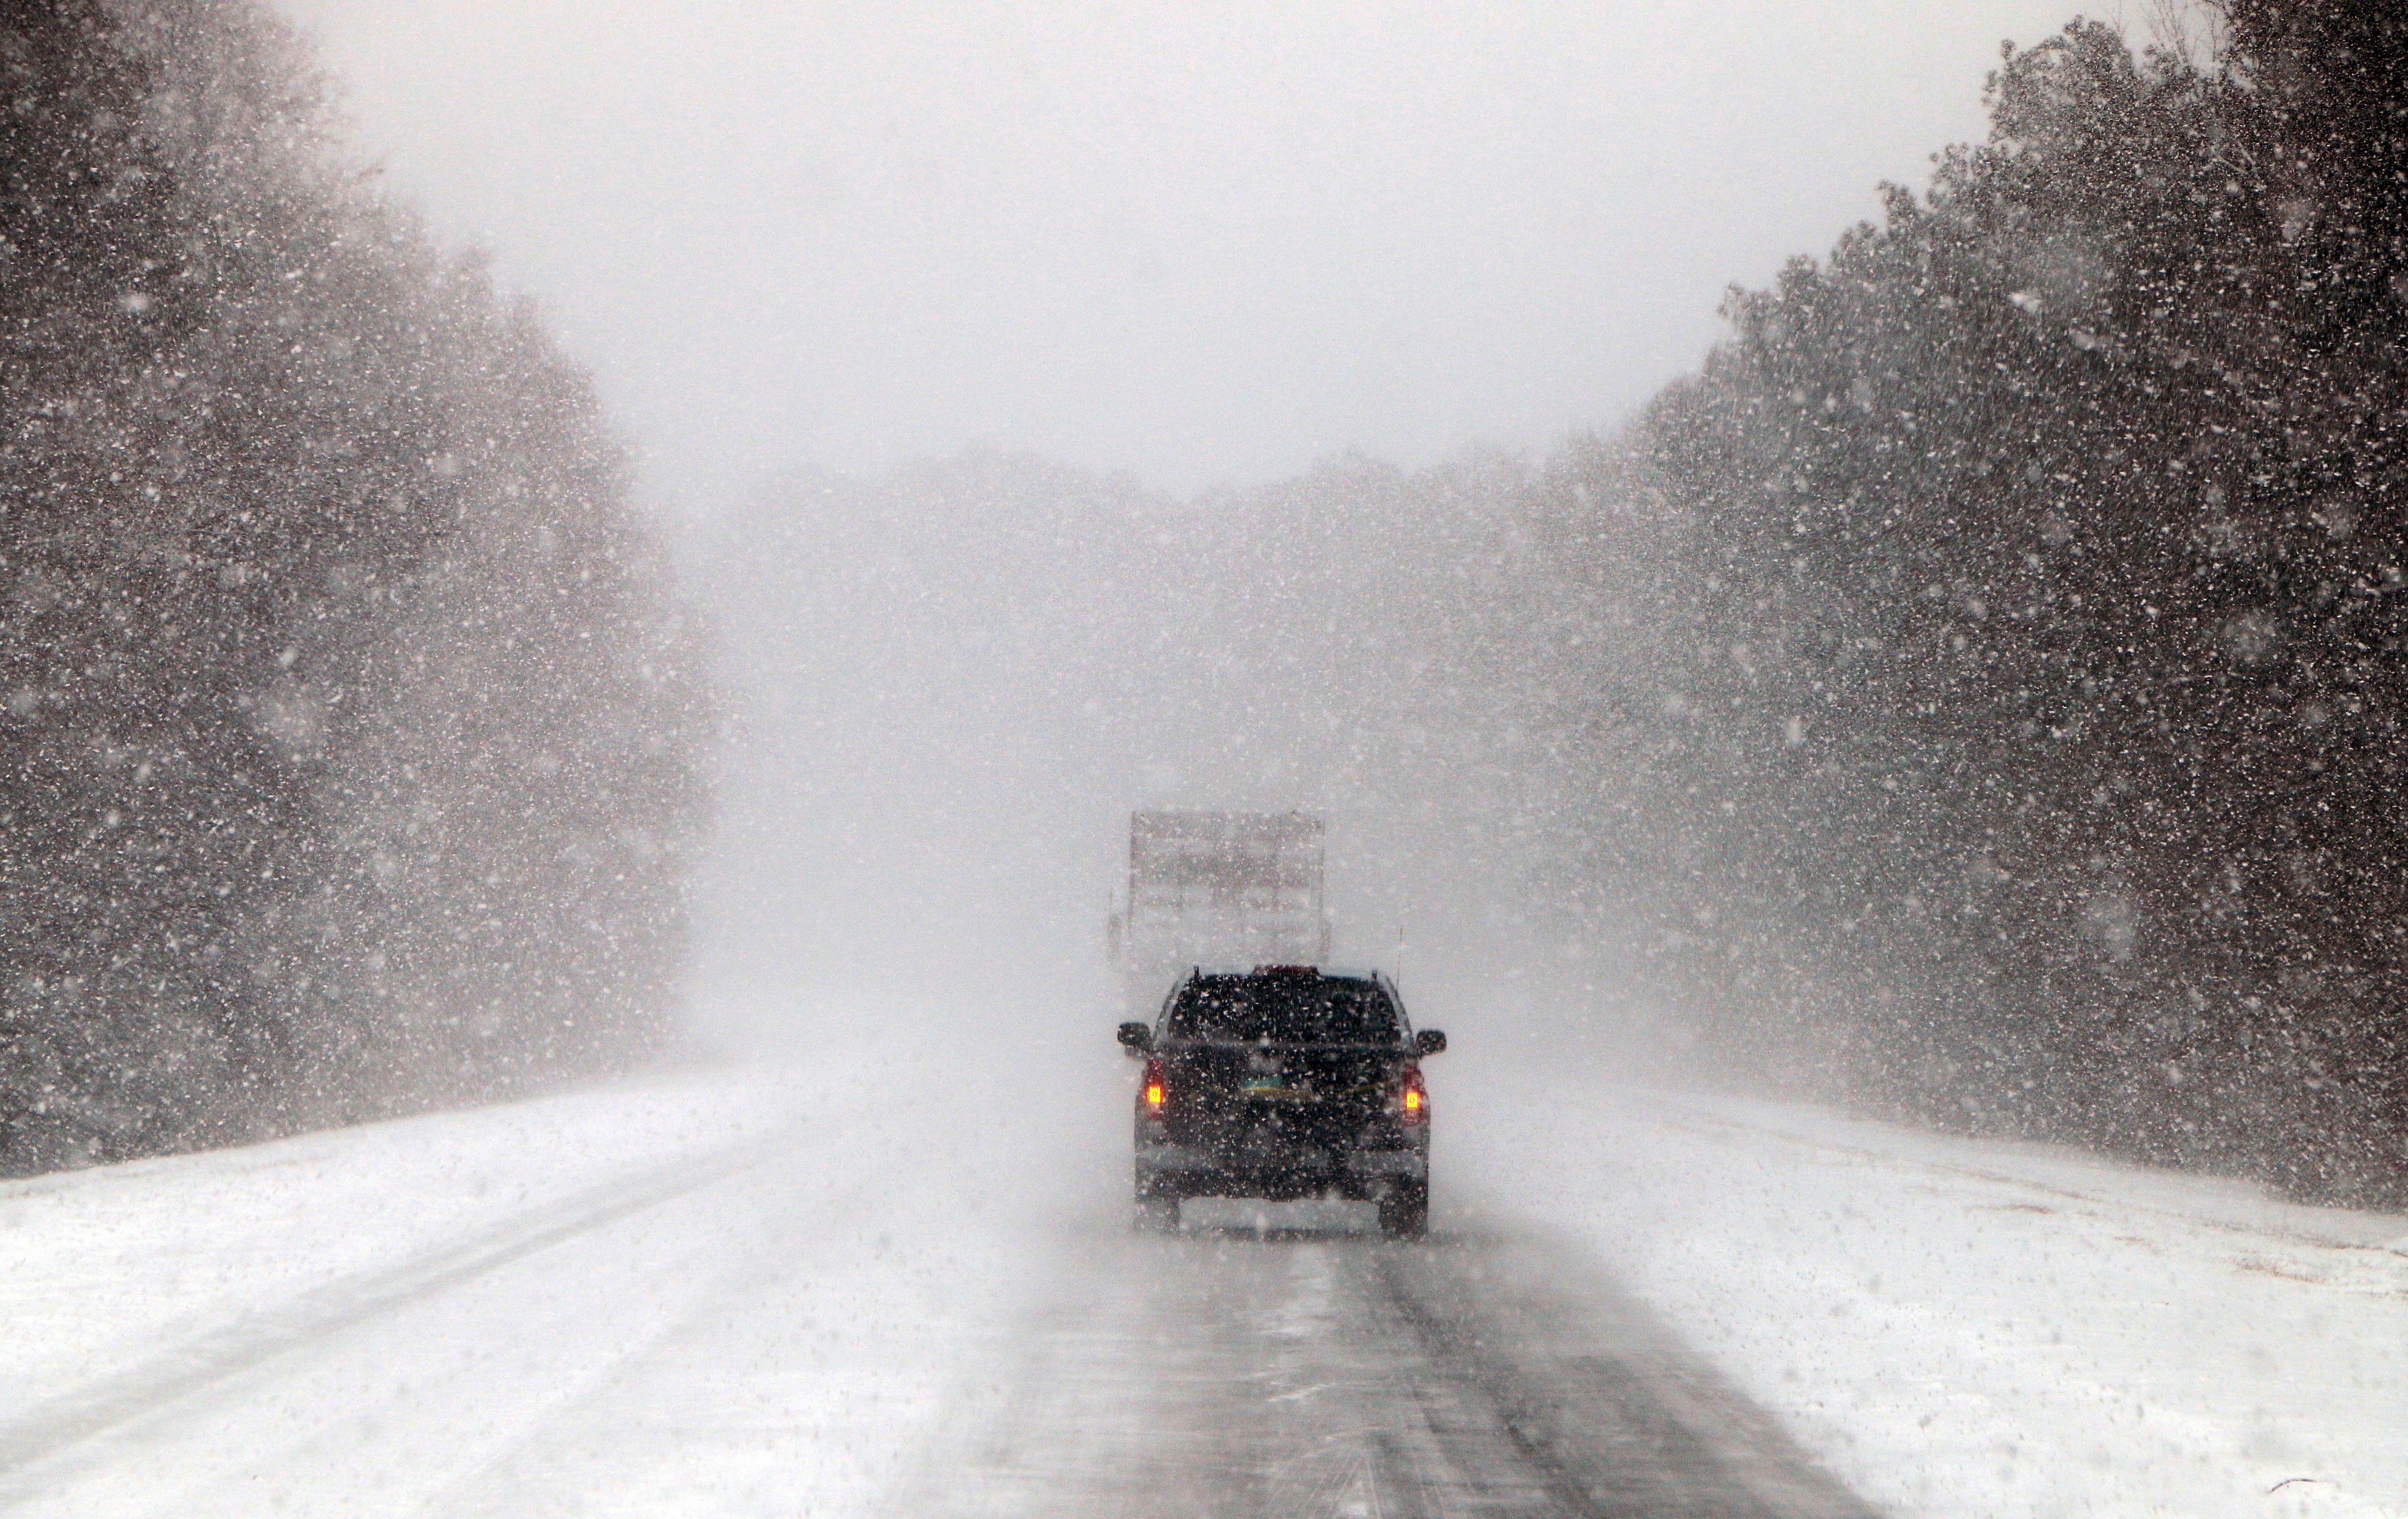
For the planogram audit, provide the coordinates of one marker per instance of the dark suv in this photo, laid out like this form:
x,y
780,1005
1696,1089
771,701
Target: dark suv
x,y
1283,1082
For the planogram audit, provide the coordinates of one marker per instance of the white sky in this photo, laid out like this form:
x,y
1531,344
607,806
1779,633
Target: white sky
x,y
1206,243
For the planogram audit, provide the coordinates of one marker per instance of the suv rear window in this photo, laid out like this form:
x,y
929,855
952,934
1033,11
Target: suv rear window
x,y
1284,1009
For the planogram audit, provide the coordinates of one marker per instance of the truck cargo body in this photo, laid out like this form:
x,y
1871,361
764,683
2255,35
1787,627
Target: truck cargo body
x,y
1219,888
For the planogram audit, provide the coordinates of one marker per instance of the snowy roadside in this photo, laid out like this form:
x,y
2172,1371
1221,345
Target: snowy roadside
x,y
732,1290
100,1269
1976,1329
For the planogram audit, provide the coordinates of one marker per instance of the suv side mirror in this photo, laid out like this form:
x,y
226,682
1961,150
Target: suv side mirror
x,y
1429,1041
1137,1038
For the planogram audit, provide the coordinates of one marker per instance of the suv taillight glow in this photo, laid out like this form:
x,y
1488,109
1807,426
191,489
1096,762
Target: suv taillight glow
x,y
1412,1102
1154,1089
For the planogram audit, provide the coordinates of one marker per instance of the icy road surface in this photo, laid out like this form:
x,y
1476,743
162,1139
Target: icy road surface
x,y
852,1290
1301,1370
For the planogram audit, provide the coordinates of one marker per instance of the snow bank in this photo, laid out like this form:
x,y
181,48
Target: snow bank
x,y
1962,1328
105,1266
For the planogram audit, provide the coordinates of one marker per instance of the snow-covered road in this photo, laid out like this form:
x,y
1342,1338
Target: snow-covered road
x,y
1314,1369
897,1284
708,1294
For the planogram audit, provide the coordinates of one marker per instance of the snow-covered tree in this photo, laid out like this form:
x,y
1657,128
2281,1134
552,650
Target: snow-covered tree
x,y
346,727
2031,667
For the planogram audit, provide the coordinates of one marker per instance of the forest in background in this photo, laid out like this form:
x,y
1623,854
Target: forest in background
x,y
2007,727
348,732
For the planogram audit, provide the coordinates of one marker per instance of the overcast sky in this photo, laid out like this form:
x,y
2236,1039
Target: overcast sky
x,y
1205,243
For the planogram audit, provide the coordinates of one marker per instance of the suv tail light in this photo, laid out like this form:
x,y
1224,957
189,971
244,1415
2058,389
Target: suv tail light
x,y
1413,1100
1155,1090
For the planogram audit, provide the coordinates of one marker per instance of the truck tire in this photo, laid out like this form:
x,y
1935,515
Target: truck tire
x,y
1404,1214
1155,1216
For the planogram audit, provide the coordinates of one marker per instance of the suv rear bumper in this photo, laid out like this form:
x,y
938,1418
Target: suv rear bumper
x,y
1178,1170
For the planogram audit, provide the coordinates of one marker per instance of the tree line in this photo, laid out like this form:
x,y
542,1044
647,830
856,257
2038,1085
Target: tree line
x,y
347,726
2007,727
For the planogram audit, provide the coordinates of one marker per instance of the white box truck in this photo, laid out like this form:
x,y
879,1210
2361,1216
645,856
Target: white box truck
x,y
1218,888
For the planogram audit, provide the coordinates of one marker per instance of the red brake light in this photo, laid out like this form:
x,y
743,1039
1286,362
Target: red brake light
x,y
1154,1089
1412,1101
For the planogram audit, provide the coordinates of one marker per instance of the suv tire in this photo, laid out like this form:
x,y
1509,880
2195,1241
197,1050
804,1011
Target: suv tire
x,y
1404,1212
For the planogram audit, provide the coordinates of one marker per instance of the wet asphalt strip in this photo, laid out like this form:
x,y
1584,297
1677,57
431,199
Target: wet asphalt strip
x,y
1588,1394
1238,1371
